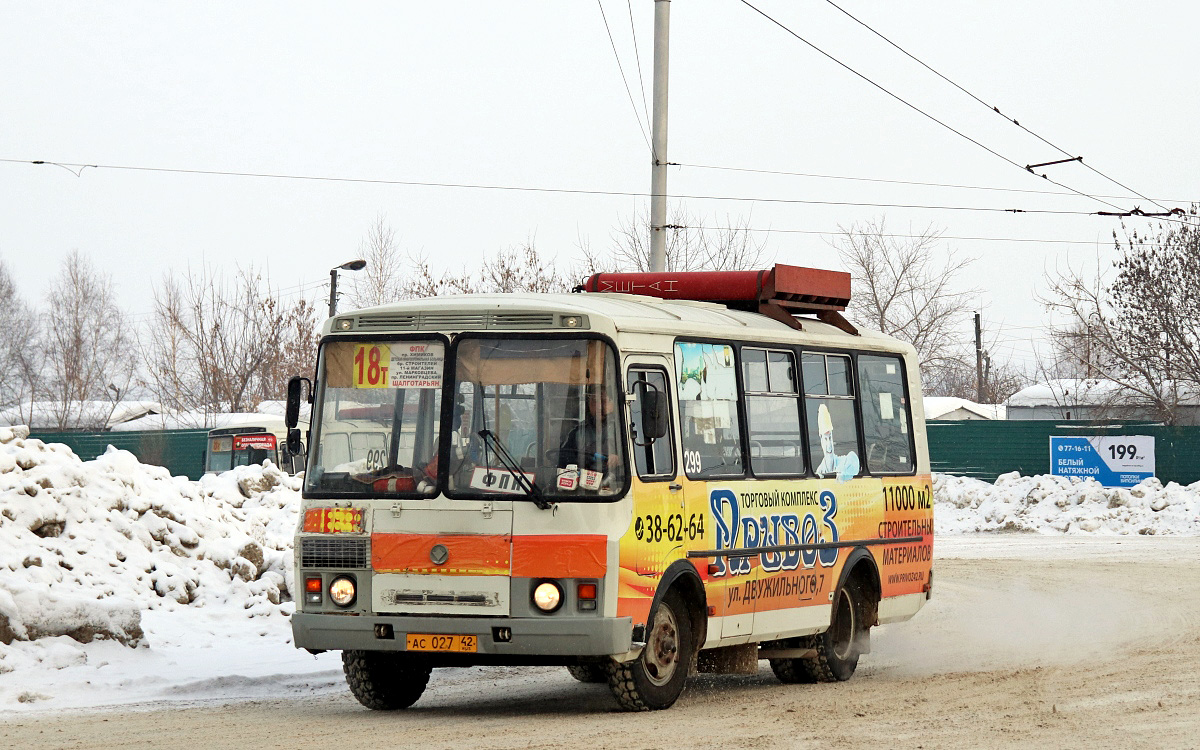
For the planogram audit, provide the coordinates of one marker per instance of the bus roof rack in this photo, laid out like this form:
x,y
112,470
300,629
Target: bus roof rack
x,y
780,293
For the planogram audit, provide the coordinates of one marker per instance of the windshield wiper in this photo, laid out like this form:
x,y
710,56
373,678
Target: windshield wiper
x,y
512,467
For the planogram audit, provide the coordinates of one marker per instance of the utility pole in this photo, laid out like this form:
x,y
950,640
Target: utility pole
x,y
333,292
658,139
978,361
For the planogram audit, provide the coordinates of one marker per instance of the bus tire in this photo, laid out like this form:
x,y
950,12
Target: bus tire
x,y
837,648
793,671
590,673
383,681
655,679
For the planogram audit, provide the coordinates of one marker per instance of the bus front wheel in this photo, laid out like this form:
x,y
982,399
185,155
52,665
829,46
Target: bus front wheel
x,y
384,681
655,679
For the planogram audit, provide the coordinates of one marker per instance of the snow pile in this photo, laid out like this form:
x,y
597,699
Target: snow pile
x,y
1061,505
86,546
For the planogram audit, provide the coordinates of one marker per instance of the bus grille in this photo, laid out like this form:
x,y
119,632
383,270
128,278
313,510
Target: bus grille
x,y
443,320
336,552
522,320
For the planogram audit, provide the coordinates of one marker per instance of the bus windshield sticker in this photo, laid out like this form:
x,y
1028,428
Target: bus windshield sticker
x,y
885,405
497,479
416,365
261,441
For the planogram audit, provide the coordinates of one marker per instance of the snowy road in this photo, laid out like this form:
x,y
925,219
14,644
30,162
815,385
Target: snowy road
x,y
1029,641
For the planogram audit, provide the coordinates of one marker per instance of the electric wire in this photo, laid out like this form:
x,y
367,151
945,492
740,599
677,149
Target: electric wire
x,y
638,58
916,183
840,232
624,80
992,107
563,191
917,109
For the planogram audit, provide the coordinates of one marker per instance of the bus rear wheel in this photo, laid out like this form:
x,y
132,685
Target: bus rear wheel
x,y
655,679
591,673
384,681
794,671
838,648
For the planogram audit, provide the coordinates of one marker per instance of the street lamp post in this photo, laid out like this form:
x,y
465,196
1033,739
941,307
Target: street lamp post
x,y
352,265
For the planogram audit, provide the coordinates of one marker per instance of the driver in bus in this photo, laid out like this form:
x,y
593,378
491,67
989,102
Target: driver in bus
x,y
587,444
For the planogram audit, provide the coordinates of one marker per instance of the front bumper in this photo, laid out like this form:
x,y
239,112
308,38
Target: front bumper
x,y
531,636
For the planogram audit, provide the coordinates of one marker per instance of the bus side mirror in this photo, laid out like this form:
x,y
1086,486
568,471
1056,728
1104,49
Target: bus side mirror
x,y
654,410
294,446
294,394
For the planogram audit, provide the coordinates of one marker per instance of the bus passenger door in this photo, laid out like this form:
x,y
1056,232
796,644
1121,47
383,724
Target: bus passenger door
x,y
657,496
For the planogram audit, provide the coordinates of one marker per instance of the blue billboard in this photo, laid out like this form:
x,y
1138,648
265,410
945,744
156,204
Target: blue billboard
x,y
1113,461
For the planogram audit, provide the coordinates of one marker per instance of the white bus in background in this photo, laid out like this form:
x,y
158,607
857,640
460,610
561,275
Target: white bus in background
x,y
261,438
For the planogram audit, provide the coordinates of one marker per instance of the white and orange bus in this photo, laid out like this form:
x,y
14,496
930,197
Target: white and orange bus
x,y
665,473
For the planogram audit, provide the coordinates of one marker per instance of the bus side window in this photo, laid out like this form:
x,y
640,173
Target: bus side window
x,y
885,414
709,428
772,412
832,424
654,460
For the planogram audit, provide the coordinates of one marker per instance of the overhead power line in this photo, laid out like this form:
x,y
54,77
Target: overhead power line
x,y
77,168
838,232
638,59
529,189
994,108
624,80
916,183
917,109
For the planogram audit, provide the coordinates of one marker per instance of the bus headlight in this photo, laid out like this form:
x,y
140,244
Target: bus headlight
x,y
547,596
343,591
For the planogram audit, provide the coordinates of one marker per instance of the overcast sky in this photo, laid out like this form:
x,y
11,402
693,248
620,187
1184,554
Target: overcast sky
x,y
528,94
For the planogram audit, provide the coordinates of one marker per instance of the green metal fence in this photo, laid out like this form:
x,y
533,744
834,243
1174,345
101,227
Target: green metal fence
x,y
986,449
181,451
983,449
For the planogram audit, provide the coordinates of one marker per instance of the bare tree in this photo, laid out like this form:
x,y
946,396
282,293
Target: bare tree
x,y
900,289
216,345
958,377
297,350
383,279
425,281
521,269
89,346
1143,328
20,345
691,245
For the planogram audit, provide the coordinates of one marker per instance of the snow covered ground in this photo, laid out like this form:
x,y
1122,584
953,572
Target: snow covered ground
x,y
121,585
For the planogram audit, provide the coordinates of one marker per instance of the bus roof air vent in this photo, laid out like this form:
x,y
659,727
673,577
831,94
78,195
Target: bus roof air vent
x,y
779,293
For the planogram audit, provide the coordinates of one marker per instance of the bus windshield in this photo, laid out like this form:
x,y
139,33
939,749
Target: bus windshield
x,y
376,418
229,450
539,414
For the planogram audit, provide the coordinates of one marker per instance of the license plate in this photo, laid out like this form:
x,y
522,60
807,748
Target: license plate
x,y
460,644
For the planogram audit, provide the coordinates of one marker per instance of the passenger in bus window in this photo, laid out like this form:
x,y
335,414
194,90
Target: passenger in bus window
x,y
844,467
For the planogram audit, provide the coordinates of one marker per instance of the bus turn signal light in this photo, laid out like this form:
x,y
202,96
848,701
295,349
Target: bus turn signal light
x,y
312,590
586,595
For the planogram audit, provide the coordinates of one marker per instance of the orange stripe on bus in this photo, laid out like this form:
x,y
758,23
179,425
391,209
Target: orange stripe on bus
x,y
468,554
560,556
